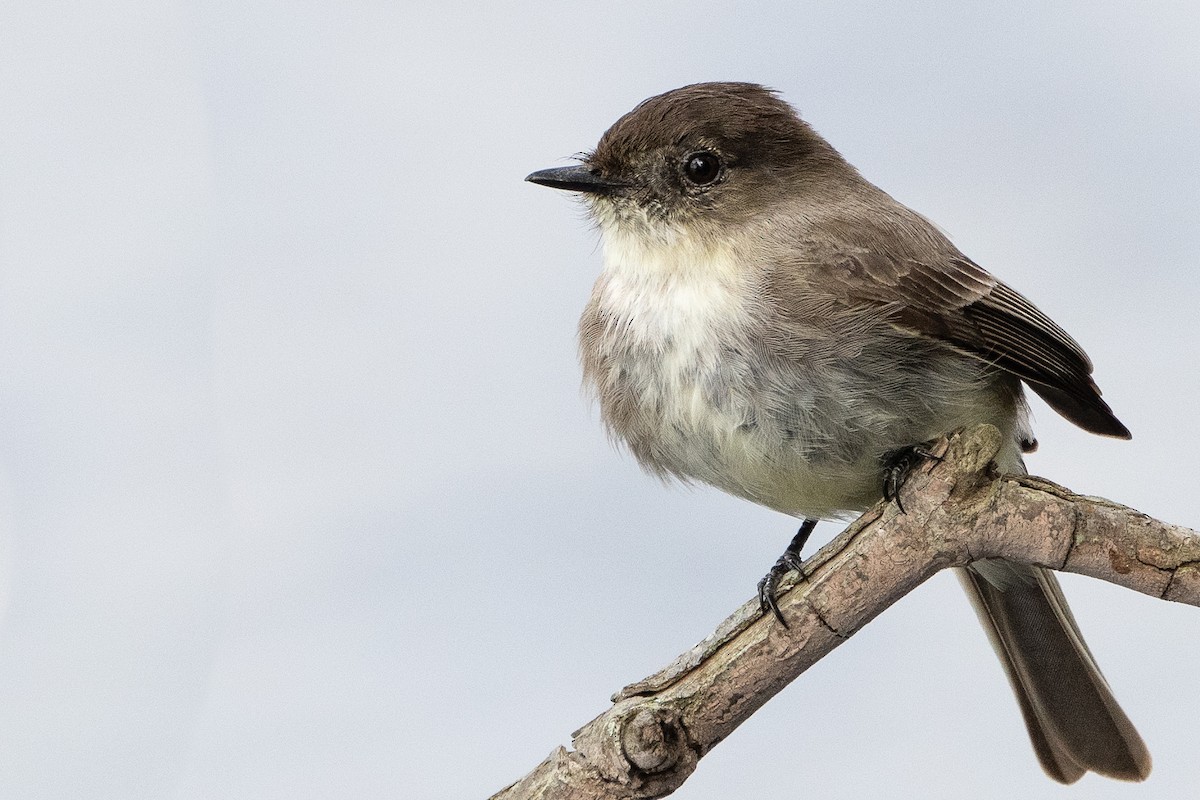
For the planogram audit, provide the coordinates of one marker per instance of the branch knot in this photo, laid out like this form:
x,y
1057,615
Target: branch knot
x,y
653,739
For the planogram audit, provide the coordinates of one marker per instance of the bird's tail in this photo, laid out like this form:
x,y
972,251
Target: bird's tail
x,y
1072,716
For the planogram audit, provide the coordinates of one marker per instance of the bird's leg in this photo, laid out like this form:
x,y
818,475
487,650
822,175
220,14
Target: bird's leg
x,y
898,464
790,560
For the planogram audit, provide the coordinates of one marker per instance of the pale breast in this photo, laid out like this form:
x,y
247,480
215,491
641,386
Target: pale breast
x,y
664,354
671,346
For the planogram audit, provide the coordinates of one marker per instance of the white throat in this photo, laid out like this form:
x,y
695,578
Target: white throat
x,y
671,288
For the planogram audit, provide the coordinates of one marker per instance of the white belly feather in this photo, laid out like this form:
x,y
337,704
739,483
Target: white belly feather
x,y
666,341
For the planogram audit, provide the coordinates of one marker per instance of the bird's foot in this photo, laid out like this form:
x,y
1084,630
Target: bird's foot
x,y
768,587
898,465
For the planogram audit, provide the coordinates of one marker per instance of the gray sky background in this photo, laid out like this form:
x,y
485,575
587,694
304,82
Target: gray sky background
x,y
298,494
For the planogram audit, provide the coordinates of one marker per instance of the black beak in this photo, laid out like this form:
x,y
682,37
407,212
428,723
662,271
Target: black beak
x,y
573,179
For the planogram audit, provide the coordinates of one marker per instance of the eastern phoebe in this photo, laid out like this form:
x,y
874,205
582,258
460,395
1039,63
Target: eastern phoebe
x,y
769,322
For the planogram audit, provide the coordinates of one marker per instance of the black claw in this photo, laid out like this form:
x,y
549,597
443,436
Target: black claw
x,y
791,559
898,465
893,479
767,588
925,452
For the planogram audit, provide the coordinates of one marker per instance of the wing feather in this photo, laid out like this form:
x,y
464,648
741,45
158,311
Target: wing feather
x,y
936,291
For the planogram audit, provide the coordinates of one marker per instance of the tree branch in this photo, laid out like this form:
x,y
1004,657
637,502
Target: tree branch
x,y
957,510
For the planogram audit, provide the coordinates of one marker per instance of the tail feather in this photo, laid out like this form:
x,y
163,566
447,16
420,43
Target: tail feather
x,y
1074,721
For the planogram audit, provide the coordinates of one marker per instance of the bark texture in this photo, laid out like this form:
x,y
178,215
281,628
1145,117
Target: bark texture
x,y
956,511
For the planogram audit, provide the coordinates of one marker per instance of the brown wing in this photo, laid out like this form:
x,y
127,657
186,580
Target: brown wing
x,y
956,300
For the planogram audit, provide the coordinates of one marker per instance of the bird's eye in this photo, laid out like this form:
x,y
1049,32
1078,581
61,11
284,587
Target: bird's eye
x,y
702,168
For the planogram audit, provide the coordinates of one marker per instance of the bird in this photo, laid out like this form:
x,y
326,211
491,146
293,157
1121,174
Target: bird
x,y
769,322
